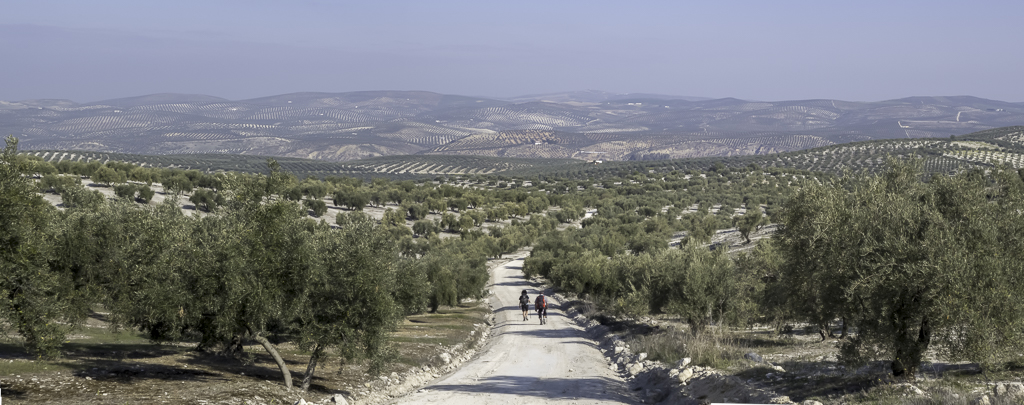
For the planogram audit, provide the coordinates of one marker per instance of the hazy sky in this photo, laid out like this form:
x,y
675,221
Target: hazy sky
x,y
758,50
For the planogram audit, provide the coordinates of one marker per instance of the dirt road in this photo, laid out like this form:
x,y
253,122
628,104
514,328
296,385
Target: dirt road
x,y
525,362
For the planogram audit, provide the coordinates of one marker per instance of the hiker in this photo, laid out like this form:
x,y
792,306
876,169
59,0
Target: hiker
x,y
542,308
524,304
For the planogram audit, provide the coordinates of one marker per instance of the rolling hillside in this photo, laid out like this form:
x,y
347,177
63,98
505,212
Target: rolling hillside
x,y
980,149
579,125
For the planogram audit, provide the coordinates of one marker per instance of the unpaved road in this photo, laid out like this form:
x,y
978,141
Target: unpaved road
x,y
525,362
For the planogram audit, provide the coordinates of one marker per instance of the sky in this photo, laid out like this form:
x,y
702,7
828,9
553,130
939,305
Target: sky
x,y
755,50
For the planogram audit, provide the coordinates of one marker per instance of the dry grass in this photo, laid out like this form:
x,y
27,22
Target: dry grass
x,y
713,348
105,367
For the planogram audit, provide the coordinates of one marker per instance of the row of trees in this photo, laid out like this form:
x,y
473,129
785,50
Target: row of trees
x,y
729,188
258,267
908,263
899,261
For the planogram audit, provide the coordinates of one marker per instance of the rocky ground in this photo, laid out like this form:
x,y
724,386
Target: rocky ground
x,y
801,369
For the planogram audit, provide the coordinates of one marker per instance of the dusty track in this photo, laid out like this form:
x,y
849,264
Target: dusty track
x,y
525,362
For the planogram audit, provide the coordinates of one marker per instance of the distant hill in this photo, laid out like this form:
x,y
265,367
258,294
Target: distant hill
x,y
162,98
999,146
589,125
596,96
983,149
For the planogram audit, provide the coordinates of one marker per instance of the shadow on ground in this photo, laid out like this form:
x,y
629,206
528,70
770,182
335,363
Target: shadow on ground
x,y
546,388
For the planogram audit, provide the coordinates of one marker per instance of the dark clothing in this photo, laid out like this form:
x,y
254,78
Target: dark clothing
x,y
542,305
524,302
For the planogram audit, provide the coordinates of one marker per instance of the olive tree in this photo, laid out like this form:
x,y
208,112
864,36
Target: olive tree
x,y
108,176
749,222
38,301
345,300
906,263
699,285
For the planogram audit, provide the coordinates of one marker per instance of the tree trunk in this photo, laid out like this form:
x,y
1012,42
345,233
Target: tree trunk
x,y
233,347
845,330
909,351
277,357
314,359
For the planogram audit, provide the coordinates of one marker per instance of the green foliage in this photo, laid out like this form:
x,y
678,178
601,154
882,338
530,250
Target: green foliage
x,y
749,222
79,196
53,183
393,218
700,227
417,211
425,227
346,299
125,191
108,176
344,219
35,165
890,255
413,287
145,194
456,269
177,184
763,266
207,200
317,206
700,286
39,302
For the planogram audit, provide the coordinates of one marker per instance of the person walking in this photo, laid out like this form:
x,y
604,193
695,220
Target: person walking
x,y
541,304
524,304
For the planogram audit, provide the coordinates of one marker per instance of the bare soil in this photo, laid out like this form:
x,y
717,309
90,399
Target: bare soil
x,y
104,367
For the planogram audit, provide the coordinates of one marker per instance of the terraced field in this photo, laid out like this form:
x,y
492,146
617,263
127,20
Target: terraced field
x,y
397,167
359,125
981,149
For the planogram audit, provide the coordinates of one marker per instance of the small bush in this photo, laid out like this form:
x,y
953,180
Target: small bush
x,y
318,207
712,348
77,196
145,194
125,191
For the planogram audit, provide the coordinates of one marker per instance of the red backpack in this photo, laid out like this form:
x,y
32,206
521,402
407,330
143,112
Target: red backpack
x,y
541,302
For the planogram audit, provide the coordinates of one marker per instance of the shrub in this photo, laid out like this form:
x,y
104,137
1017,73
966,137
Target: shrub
x,y
126,191
78,196
319,207
715,348
145,194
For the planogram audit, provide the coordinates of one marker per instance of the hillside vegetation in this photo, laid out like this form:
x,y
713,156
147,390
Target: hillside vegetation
x,y
871,253
352,126
945,155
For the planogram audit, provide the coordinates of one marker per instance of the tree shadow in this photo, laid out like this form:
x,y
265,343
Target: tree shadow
x,y
545,388
10,392
554,334
262,367
759,340
130,372
120,351
524,284
533,312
